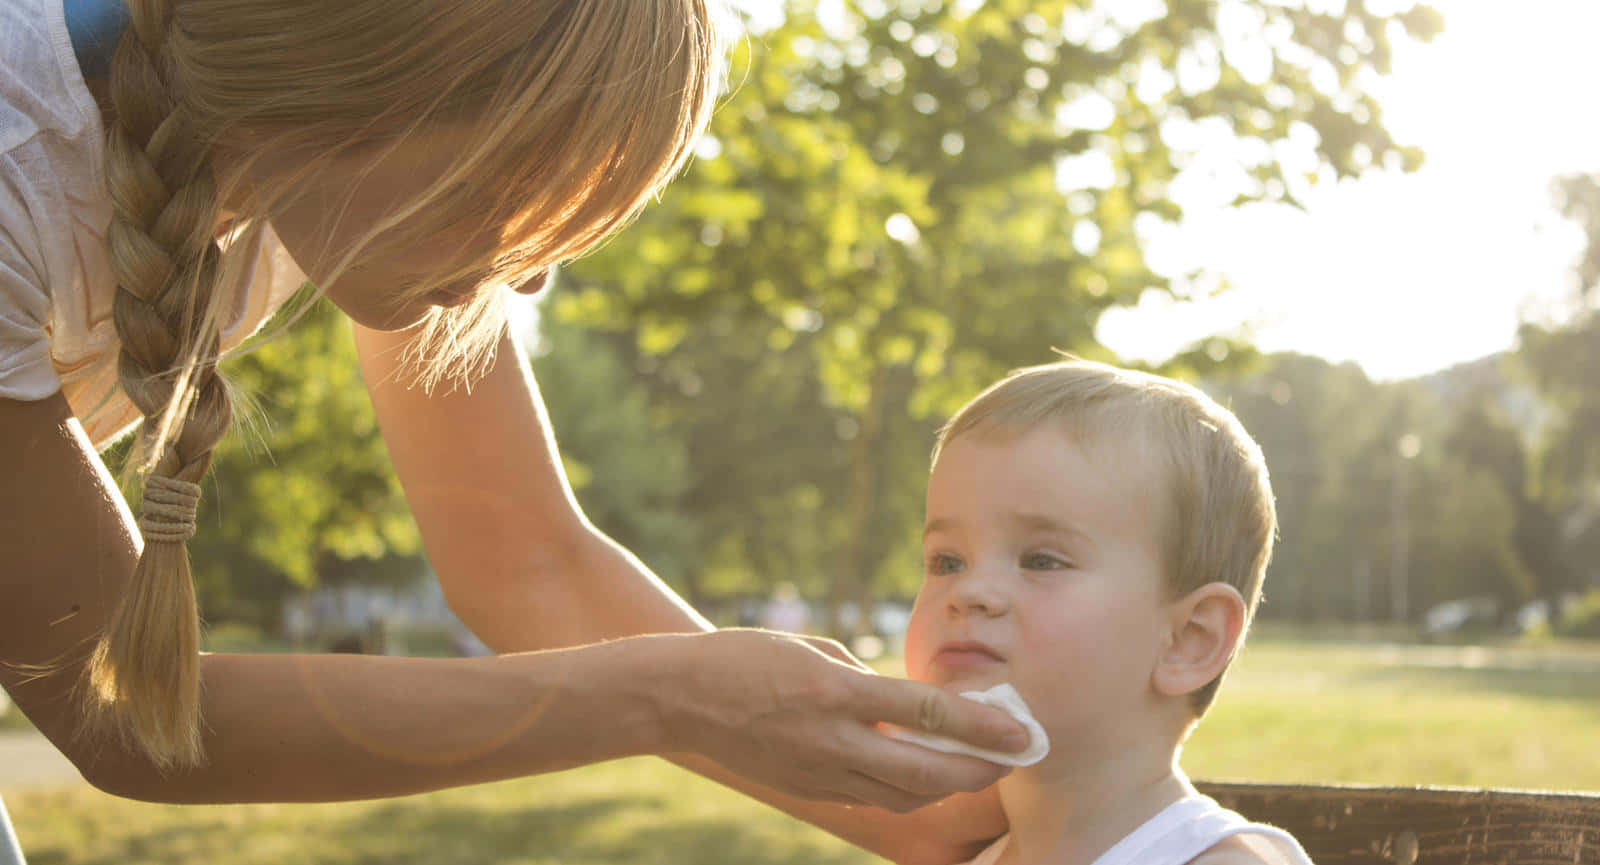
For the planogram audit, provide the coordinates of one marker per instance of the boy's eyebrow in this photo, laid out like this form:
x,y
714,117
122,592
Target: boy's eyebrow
x,y
1046,523
1023,518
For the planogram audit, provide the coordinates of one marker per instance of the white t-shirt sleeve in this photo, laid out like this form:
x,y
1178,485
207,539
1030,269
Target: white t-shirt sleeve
x,y
46,131
26,372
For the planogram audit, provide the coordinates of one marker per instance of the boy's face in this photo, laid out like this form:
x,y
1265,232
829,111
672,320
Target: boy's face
x,y
1043,568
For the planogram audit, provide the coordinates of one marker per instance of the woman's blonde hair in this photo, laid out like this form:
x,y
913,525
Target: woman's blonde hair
x,y
575,112
1218,519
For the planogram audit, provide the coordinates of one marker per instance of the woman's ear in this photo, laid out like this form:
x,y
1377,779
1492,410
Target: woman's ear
x,y
1204,629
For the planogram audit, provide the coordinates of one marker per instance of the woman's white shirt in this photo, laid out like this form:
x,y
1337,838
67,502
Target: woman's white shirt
x,y
56,284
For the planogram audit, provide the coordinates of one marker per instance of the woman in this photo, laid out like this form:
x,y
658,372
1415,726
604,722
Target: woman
x,y
415,159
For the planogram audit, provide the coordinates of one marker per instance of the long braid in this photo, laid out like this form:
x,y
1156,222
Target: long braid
x,y
144,677
561,156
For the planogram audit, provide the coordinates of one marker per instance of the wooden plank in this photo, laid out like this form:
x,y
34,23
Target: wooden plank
x,y
1345,825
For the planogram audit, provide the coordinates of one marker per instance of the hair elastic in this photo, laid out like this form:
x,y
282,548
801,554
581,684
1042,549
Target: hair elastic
x,y
167,512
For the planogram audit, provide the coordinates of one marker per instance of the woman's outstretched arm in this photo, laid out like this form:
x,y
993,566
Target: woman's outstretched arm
x,y
305,728
525,570
284,727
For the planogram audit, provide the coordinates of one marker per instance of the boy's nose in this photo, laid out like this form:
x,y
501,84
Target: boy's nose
x,y
981,592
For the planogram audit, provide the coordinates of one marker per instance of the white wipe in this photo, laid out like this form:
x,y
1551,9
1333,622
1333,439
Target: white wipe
x,y
1002,697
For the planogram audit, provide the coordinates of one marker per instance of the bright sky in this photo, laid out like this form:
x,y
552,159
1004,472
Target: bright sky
x,y
1402,273
1406,274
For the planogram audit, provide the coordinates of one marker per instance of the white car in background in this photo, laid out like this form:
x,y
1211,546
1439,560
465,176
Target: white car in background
x,y
1452,616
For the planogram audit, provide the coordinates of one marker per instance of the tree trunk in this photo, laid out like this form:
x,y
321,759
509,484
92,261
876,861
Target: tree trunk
x,y
849,582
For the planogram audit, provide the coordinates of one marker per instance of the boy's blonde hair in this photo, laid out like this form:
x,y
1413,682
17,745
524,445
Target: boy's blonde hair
x,y
1219,520
576,112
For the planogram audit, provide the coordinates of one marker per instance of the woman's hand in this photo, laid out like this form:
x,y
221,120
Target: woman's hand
x,y
526,571
799,715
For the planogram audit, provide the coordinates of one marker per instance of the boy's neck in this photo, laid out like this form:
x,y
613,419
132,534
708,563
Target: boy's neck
x,y
1069,813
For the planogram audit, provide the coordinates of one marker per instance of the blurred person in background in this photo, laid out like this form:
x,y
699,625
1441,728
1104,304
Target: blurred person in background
x,y
785,611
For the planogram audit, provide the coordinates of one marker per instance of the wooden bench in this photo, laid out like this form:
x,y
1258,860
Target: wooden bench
x,y
1345,825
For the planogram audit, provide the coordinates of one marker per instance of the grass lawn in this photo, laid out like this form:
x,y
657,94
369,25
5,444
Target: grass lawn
x,y
639,812
11,719
1291,711
1319,713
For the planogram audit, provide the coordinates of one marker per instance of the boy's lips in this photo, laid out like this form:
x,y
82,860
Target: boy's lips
x,y
966,655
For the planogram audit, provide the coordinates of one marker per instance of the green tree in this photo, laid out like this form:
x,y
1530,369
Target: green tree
x,y
303,491
1490,451
1578,198
1390,498
1563,363
900,201
628,472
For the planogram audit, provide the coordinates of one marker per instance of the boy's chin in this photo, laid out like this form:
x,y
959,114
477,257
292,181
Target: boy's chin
x,y
965,680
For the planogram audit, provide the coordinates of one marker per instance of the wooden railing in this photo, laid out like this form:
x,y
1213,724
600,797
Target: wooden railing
x,y
1346,825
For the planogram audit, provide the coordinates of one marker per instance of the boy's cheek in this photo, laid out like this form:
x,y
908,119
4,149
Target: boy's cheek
x,y
917,642
1049,667
916,663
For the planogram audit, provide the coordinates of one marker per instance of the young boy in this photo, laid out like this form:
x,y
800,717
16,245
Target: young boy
x,y
1096,538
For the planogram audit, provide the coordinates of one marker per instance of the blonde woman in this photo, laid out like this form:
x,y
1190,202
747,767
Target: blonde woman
x,y
169,171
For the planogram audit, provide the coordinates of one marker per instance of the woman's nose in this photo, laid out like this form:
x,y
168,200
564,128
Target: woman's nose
x,y
535,284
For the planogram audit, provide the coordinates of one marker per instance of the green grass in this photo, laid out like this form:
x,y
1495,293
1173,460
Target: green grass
x,y
13,719
635,811
1293,710
1323,713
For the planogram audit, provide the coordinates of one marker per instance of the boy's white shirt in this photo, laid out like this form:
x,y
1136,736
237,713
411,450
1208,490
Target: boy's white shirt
x,y
1178,834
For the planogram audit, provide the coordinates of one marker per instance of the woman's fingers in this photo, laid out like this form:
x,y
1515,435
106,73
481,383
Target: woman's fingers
x,y
923,776
799,716
920,706
928,708
862,788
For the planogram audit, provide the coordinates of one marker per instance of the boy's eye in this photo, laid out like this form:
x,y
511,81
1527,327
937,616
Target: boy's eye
x,y
940,564
1042,562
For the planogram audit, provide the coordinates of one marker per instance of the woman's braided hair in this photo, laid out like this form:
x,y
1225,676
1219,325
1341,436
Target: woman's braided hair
x,y
579,111
167,263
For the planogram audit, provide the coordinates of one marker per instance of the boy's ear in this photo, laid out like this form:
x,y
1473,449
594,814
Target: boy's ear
x,y
1204,628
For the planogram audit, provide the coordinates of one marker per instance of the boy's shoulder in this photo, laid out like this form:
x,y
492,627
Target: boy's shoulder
x,y
1247,849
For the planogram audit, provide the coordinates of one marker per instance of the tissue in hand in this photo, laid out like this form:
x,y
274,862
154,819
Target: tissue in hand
x,y
1003,697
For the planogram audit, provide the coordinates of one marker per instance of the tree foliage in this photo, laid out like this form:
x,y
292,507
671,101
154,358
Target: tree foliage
x,y
1578,198
1392,496
303,492
897,203
1563,363
902,200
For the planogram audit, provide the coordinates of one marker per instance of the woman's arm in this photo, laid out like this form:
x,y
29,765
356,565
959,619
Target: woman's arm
x,y
278,727
501,525
525,570
288,728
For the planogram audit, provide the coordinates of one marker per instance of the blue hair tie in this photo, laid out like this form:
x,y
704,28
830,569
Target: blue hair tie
x,y
95,27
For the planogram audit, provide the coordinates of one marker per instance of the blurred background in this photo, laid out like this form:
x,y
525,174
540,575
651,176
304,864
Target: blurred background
x,y
1370,227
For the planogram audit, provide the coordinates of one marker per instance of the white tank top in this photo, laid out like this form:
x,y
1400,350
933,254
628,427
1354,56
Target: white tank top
x,y
1180,832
